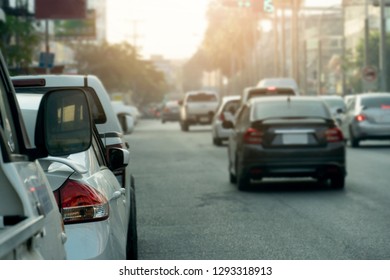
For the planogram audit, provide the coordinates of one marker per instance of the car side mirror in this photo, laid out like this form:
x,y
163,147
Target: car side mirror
x,y
64,123
117,158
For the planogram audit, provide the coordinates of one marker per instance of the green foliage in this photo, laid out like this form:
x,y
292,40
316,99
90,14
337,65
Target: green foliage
x,y
19,41
355,61
121,70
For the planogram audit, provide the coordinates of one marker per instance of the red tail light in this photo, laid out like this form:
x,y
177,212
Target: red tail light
x,y
80,203
253,136
360,117
334,135
221,117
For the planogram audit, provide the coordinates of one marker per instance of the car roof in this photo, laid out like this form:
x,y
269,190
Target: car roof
x,y
331,97
230,97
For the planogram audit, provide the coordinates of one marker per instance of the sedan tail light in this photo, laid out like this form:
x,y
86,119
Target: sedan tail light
x,y
221,117
80,203
334,135
360,117
253,136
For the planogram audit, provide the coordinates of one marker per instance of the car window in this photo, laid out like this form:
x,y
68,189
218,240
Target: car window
x,y
270,91
202,97
231,106
292,108
375,101
351,104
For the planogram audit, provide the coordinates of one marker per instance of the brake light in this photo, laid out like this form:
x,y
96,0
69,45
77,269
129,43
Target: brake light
x,y
334,135
360,117
253,136
385,107
80,203
29,82
271,88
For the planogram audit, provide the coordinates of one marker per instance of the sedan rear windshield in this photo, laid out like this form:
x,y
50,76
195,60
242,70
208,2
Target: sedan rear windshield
x,y
376,102
202,97
290,109
270,91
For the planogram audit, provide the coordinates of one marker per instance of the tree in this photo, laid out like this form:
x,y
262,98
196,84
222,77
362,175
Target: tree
x,y
19,41
121,70
355,62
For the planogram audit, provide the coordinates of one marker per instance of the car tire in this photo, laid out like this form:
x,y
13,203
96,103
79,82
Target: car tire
x,y
243,181
353,140
337,181
232,178
217,142
132,235
184,126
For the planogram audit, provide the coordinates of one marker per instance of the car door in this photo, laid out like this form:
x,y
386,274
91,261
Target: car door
x,y
115,192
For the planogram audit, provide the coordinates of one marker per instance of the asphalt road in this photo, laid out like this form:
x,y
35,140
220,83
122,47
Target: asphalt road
x,y
188,210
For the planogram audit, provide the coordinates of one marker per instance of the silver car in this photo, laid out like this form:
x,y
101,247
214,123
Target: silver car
x,y
226,110
367,118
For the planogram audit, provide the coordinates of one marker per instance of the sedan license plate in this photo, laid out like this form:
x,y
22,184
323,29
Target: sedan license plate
x,y
295,139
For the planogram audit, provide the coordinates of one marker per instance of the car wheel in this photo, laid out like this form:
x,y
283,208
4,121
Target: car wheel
x,y
243,181
354,141
337,182
232,178
132,235
184,126
217,142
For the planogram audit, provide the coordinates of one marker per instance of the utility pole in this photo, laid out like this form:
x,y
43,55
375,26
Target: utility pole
x,y
295,40
382,48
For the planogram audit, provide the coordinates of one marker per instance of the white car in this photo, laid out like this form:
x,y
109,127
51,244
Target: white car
x,y
225,111
282,82
93,204
125,116
103,114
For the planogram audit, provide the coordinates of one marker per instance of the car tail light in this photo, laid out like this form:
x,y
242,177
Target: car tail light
x,y
253,136
80,203
385,107
360,118
334,135
221,117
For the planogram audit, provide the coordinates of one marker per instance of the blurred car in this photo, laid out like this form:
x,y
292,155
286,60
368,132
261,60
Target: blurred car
x,y
93,204
367,117
225,111
170,111
336,105
285,136
282,82
125,117
265,91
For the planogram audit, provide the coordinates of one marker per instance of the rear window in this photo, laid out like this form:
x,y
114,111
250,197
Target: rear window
x,y
202,97
376,102
294,108
270,91
97,110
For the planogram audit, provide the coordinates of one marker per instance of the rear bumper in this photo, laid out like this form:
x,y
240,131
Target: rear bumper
x,y
371,131
317,163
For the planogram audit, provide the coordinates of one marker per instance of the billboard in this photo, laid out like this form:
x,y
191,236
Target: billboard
x,y
76,28
60,9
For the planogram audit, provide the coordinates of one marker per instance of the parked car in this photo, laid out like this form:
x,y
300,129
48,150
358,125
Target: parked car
x,y
93,204
279,82
285,136
170,111
31,225
367,117
125,116
103,113
225,111
198,108
336,105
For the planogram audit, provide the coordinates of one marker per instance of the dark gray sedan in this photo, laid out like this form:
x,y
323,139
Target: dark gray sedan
x,y
286,136
367,117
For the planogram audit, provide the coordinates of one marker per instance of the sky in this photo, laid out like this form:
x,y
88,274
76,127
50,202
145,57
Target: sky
x,y
171,28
